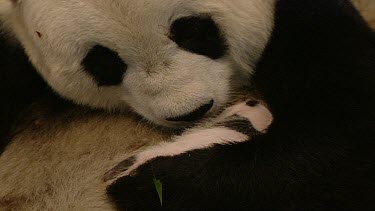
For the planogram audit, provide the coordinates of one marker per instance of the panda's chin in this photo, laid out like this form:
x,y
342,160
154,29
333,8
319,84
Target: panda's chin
x,y
176,124
186,119
162,123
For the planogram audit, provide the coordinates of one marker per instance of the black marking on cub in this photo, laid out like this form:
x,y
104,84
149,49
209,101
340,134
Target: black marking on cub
x,y
105,66
199,35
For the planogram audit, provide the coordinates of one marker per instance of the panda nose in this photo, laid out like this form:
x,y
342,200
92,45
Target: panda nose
x,y
197,114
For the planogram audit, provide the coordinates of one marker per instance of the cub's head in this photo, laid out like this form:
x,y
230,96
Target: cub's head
x,y
171,61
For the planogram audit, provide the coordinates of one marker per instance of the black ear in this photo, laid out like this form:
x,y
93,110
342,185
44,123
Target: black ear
x,y
20,85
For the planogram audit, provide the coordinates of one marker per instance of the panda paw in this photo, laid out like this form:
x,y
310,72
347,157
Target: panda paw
x,y
238,123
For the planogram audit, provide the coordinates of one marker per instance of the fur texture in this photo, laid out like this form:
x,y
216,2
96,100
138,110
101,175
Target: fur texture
x,y
316,74
219,132
57,36
20,85
367,9
318,77
52,141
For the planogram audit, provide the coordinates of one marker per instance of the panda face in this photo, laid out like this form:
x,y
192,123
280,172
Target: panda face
x,y
171,61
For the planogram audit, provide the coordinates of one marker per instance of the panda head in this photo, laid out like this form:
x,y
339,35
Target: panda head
x,y
171,61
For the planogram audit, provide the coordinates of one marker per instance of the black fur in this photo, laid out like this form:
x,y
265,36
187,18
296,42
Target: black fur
x,y
20,85
242,125
318,77
199,35
105,66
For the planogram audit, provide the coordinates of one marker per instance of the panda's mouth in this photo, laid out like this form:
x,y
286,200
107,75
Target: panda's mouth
x,y
195,115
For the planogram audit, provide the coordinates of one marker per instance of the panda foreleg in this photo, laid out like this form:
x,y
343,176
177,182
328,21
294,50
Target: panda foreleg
x,y
236,124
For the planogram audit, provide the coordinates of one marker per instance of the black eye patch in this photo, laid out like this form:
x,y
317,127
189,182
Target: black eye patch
x,y
104,65
198,35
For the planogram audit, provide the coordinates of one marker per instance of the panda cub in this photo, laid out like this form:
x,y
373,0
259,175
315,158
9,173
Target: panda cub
x,y
180,67
174,63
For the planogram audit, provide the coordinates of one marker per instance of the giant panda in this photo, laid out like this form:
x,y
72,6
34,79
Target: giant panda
x,y
310,61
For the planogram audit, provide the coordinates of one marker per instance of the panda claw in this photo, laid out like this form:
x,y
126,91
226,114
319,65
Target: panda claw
x,y
236,124
120,167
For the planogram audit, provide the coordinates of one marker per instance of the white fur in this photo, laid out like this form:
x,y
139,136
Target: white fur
x,y
61,165
193,140
162,80
201,138
259,115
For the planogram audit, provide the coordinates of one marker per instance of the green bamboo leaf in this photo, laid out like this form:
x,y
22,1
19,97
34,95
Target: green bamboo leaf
x,y
159,189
